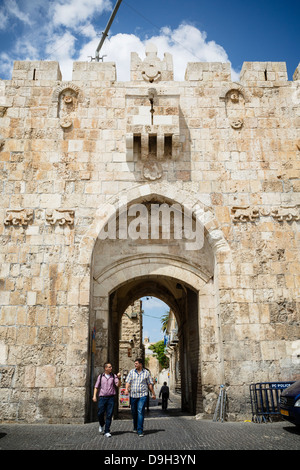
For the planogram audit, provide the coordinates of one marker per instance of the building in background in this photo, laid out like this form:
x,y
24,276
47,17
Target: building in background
x,y
173,353
131,338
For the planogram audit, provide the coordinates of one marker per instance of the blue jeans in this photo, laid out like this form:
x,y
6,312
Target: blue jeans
x,y
138,406
106,405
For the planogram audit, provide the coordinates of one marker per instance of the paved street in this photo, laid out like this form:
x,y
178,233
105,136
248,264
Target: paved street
x,y
171,430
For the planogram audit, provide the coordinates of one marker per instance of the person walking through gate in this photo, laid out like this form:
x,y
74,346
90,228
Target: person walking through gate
x,y
106,388
139,380
164,393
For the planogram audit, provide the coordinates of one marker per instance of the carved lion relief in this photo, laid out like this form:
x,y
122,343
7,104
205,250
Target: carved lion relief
x,y
18,217
60,216
250,214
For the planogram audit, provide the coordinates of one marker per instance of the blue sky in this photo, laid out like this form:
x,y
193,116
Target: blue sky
x,y
153,309
192,30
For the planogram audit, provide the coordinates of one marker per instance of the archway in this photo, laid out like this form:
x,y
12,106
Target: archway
x,y
121,270
184,302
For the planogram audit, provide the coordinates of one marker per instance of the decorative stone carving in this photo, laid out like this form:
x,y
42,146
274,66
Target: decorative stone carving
x,y
244,214
287,213
18,217
234,96
62,88
152,170
250,214
60,216
151,72
236,123
234,92
152,68
235,105
66,122
217,241
67,100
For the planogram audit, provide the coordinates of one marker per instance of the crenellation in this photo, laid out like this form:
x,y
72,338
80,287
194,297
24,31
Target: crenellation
x,y
296,75
97,73
263,74
208,72
31,71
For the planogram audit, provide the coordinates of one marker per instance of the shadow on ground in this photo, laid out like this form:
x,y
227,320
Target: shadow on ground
x,y
155,410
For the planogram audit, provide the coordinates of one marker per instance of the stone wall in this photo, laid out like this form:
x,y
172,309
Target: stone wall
x,y
230,151
131,337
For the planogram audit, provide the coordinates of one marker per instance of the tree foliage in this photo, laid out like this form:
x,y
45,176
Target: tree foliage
x,y
164,321
159,352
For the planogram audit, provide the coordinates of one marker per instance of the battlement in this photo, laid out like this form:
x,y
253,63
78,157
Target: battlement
x,y
152,70
208,71
36,70
264,73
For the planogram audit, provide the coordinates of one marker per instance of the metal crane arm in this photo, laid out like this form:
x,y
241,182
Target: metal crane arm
x,y
105,33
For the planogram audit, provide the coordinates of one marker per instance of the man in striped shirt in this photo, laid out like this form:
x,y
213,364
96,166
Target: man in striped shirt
x,y
139,381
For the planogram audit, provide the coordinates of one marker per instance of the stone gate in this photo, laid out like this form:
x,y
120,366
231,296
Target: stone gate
x,y
85,166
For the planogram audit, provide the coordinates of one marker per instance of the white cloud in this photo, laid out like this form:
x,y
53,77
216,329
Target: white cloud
x,y
154,305
64,30
116,49
26,49
4,19
12,9
75,12
6,64
61,48
186,44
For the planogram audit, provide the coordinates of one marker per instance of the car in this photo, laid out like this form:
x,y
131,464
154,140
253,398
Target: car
x,y
290,403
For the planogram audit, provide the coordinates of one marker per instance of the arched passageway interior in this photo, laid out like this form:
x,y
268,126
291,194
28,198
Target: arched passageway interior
x,y
184,302
124,269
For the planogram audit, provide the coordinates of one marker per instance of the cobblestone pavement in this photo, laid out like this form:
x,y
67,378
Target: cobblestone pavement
x,y
170,430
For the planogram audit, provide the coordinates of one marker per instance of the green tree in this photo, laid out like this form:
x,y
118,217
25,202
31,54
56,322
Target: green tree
x,y
164,321
159,352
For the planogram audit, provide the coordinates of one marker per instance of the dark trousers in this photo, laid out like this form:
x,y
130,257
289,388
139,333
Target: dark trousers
x,y
164,402
106,405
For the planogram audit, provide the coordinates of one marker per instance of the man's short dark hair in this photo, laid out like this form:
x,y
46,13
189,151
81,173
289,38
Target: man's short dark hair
x,y
139,360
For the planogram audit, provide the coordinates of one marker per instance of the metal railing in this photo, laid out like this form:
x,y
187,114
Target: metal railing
x,y
265,400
